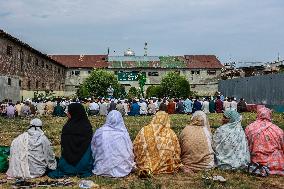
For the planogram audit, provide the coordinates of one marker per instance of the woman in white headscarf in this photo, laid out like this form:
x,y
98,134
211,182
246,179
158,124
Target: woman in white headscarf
x,y
112,148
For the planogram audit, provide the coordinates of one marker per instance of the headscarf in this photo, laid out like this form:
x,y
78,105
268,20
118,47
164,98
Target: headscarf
x,y
234,117
161,119
199,118
76,134
264,114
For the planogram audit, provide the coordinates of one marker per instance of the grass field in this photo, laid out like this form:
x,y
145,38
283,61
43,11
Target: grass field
x,y
9,129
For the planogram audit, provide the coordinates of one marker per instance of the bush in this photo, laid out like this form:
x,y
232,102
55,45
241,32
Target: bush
x,y
175,85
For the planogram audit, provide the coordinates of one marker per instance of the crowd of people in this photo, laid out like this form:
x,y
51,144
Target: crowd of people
x,y
132,107
156,149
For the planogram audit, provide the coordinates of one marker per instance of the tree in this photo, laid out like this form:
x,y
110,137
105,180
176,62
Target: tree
x,y
98,82
133,92
83,92
154,91
175,85
142,81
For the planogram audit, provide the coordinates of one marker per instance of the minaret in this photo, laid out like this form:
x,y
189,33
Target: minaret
x,y
145,49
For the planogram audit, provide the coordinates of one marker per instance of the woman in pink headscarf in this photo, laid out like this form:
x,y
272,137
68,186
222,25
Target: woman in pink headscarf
x,y
266,142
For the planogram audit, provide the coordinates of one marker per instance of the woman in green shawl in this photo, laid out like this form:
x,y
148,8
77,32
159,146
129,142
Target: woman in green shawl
x,y
230,143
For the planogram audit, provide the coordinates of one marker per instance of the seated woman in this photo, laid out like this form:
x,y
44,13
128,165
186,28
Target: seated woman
x,y
230,143
156,147
58,110
266,142
196,145
31,154
76,155
112,148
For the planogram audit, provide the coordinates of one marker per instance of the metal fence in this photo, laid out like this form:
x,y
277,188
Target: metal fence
x,y
264,89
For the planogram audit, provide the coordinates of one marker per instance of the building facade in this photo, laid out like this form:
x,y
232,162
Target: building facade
x,y
202,71
37,72
78,68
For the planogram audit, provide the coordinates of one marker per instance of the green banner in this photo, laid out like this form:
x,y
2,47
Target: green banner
x,y
128,76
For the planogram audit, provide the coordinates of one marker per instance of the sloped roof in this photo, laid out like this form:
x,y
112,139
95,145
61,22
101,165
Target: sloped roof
x,y
202,62
25,45
104,61
82,61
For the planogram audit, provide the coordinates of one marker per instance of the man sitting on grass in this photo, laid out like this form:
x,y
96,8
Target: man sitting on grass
x,y
31,153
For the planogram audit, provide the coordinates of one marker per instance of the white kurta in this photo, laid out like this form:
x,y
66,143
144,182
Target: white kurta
x,y
30,154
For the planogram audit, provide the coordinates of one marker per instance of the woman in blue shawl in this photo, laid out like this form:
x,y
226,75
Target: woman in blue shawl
x,y
230,143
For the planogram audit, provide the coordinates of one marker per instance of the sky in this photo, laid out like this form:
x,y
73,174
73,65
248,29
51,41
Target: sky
x,y
233,30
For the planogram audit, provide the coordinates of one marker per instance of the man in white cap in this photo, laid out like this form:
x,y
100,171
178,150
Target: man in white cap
x,y
31,153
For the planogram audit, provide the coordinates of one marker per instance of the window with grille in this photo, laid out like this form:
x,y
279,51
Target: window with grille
x,y
153,73
29,59
211,72
9,82
29,85
36,61
9,50
77,72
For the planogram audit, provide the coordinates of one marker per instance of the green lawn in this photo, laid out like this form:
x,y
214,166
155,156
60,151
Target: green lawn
x,y
9,129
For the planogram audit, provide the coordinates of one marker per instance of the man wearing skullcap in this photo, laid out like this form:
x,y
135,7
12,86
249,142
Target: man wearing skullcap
x,y
31,153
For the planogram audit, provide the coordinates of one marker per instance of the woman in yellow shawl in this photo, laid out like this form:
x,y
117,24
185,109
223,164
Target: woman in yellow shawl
x,y
156,147
196,144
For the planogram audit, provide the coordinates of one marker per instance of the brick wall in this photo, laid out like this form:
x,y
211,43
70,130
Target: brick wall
x,y
36,72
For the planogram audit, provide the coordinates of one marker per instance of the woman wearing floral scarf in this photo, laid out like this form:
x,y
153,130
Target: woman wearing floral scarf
x,y
230,143
156,147
266,142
